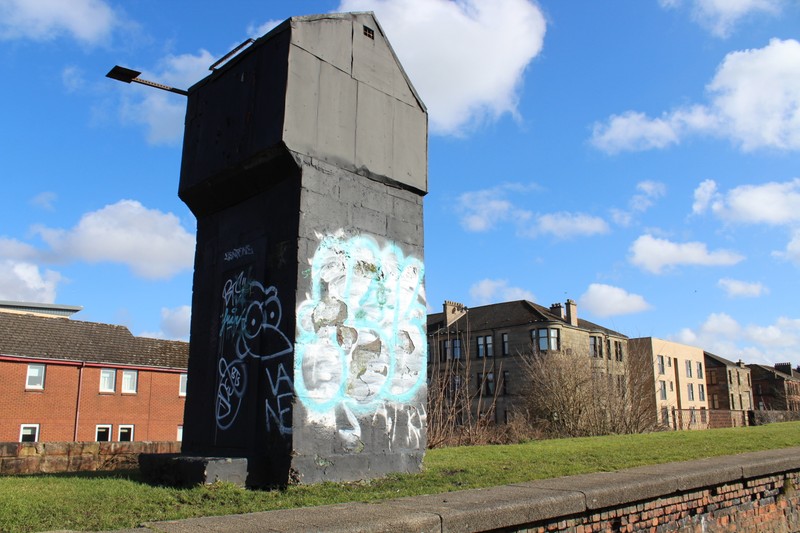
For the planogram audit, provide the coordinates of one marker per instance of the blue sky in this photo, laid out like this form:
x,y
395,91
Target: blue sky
x,y
639,156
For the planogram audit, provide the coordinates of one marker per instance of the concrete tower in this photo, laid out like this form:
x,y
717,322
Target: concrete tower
x,y
305,162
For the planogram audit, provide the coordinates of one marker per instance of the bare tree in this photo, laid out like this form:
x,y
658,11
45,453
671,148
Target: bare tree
x,y
571,398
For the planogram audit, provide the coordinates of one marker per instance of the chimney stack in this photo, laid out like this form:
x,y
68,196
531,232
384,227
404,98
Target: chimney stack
x,y
453,311
572,312
557,310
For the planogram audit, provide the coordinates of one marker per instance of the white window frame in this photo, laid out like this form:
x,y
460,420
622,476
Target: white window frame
x,y
108,372
98,427
23,427
182,383
122,427
125,387
29,375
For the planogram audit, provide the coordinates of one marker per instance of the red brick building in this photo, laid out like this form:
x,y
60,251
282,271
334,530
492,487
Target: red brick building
x,y
68,380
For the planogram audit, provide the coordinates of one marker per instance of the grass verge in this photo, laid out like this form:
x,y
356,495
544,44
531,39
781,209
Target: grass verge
x,y
120,500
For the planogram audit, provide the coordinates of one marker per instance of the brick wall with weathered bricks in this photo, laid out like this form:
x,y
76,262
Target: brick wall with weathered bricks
x,y
765,505
52,457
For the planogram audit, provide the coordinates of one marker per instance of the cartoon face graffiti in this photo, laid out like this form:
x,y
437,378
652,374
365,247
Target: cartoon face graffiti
x,y
250,328
260,336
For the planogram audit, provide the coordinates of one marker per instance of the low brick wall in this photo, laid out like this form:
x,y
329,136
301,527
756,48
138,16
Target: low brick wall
x,y
742,493
51,457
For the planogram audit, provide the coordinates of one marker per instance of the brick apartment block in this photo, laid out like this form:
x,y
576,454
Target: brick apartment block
x,y
68,380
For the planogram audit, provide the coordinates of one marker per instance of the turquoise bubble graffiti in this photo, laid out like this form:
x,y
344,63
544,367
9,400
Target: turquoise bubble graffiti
x,y
361,331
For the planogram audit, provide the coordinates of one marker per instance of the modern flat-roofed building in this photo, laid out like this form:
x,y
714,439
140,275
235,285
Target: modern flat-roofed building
x,y
680,381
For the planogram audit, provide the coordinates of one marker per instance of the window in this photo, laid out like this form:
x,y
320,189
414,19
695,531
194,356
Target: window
x,y
733,402
130,380
688,369
29,433
671,386
596,347
505,344
608,347
618,350
179,436
126,433
662,387
690,391
699,370
701,392
715,401
712,377
669,362
692,416
108,380
486,384
485,347
730,377
738,378
102,433
35,378
661,365
445,350
182,385
741,402
505,382
665,415
546,339
456,348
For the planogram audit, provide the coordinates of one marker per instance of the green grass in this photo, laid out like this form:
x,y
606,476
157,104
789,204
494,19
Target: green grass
x,y
113,501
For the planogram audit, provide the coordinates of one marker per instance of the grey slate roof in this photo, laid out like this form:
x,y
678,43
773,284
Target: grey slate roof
x,y
516,313
720,359
24,335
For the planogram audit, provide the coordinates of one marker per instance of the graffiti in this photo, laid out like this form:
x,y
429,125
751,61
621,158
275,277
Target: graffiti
x,y
250,328
360,333
232,384
238,253
279,403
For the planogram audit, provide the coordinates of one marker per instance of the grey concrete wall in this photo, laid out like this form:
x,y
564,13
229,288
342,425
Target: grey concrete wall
x,y
747,492
360,353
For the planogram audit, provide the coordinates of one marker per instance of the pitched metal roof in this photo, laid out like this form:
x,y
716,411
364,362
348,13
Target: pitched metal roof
x,y
25,335
509,314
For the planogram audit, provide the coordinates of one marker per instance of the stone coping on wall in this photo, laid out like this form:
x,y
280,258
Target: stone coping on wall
x,y
509,506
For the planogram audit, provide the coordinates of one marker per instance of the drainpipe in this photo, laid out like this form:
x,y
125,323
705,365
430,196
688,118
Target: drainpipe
x,y
78,401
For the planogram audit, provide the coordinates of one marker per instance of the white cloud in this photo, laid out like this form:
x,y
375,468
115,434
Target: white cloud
x,y
88,21
633,131
153,244
754,102
161,112
564,225
737,288
649,192
485,209
654,255
703,196
755,343
175,324
792,252
720,16
466,58
606,300
770,203
488,291
25,282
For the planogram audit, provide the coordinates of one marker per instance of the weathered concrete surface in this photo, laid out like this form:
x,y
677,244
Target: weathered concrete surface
x,y
515,506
